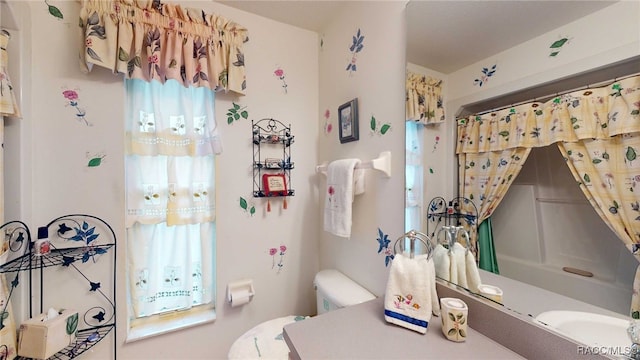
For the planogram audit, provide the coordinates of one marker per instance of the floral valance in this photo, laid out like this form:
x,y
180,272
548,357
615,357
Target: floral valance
x,y
150,40
567,118
424,99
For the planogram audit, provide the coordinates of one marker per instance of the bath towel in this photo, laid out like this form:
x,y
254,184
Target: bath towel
x,y
441,262
473,275
339,196
411,296
459,252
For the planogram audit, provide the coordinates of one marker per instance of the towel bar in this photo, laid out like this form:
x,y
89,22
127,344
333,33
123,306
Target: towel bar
x,y
381,163
413,236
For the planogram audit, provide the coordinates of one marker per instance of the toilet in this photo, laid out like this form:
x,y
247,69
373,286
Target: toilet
x,y
334,290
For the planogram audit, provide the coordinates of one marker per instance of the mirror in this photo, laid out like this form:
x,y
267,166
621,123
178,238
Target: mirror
x,y
542,192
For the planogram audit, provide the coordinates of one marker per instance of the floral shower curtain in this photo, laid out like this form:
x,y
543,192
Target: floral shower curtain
x,y
150,40
597,133
424,99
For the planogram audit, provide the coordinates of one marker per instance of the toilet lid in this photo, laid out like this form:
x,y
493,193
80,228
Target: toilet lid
x,y
264,340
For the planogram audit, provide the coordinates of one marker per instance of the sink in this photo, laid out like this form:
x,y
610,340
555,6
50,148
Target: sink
x,y
591,329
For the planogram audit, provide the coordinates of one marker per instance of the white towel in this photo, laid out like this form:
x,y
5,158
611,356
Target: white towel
x,y
410,297
473,275
339,196
459,252
441,262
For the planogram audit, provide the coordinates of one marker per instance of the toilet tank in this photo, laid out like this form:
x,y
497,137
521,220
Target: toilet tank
x,y
335,290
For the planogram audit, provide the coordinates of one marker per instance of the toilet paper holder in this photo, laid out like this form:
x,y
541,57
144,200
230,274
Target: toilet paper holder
x,y
240,292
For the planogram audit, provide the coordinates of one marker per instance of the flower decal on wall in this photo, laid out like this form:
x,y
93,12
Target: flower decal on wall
x,y
275,251
72,100
327,122
383,247
435,144
554,49
245,206
95,160
378,127
486,74
54,11
279,73
236,112
355,48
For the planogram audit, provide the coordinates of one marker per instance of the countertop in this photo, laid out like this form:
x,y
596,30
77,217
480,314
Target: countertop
x,y
361,332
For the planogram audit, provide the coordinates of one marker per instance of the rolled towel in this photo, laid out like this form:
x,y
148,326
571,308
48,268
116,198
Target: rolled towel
x,y
459,252
473,275
408,298
441,262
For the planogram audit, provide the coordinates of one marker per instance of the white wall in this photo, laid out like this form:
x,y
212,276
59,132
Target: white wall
x,y
62,183
378,84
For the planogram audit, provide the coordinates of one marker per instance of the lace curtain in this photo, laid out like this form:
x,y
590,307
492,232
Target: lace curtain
x,y
172,140
597,131
150,40
424,102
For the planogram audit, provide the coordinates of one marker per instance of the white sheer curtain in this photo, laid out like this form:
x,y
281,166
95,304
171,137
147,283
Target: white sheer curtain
x,y
413,175
172,141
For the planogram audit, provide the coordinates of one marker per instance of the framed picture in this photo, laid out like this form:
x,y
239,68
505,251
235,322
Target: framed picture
x,y
348,121
274,184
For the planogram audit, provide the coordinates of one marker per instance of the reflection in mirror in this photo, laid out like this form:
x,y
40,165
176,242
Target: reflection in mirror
x,y
541,235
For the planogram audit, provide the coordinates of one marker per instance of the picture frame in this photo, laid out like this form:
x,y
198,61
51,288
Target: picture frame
x,y
274,184
348,121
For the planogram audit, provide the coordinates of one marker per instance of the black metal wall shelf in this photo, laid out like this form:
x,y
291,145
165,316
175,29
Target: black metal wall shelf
x,y
97,319
272,141
458,211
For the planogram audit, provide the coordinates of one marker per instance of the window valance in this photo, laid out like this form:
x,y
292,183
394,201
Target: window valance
x,y
424,102
150,40
566,118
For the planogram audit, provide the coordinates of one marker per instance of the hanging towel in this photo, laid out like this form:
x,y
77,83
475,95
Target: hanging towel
x,y
453,266
339,196
411,297
459,252
473,275
441,262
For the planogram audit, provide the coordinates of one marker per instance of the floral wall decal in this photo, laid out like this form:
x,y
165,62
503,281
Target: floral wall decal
x,y
236,112
327,122
378,127
355,48
486,74
383,247
95,160
279,73
251,210
54,11
72,100
554,49
275,251
435,144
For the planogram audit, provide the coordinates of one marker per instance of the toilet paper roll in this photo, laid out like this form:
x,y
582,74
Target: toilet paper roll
x,y
240,297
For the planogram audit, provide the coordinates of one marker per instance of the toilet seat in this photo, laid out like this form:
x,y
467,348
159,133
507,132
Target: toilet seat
x,y
264,340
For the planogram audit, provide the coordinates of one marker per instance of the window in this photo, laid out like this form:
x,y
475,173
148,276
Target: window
x,y
170,184
413,175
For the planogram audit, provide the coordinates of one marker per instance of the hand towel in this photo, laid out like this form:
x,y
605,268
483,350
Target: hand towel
x,y
473,275
453,266
441,262
339,197
410,293
459,252
435,301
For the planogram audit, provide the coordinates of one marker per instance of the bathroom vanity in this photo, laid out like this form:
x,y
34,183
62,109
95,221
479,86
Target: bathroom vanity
x,y
360,332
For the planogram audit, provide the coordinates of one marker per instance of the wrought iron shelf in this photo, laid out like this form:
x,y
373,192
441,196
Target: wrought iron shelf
x,y
261,193
272,141
85,340
62,257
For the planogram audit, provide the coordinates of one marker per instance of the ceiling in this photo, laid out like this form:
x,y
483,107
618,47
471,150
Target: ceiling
x,y
464,32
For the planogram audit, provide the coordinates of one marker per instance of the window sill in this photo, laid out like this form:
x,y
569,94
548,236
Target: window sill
x,y
163,324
